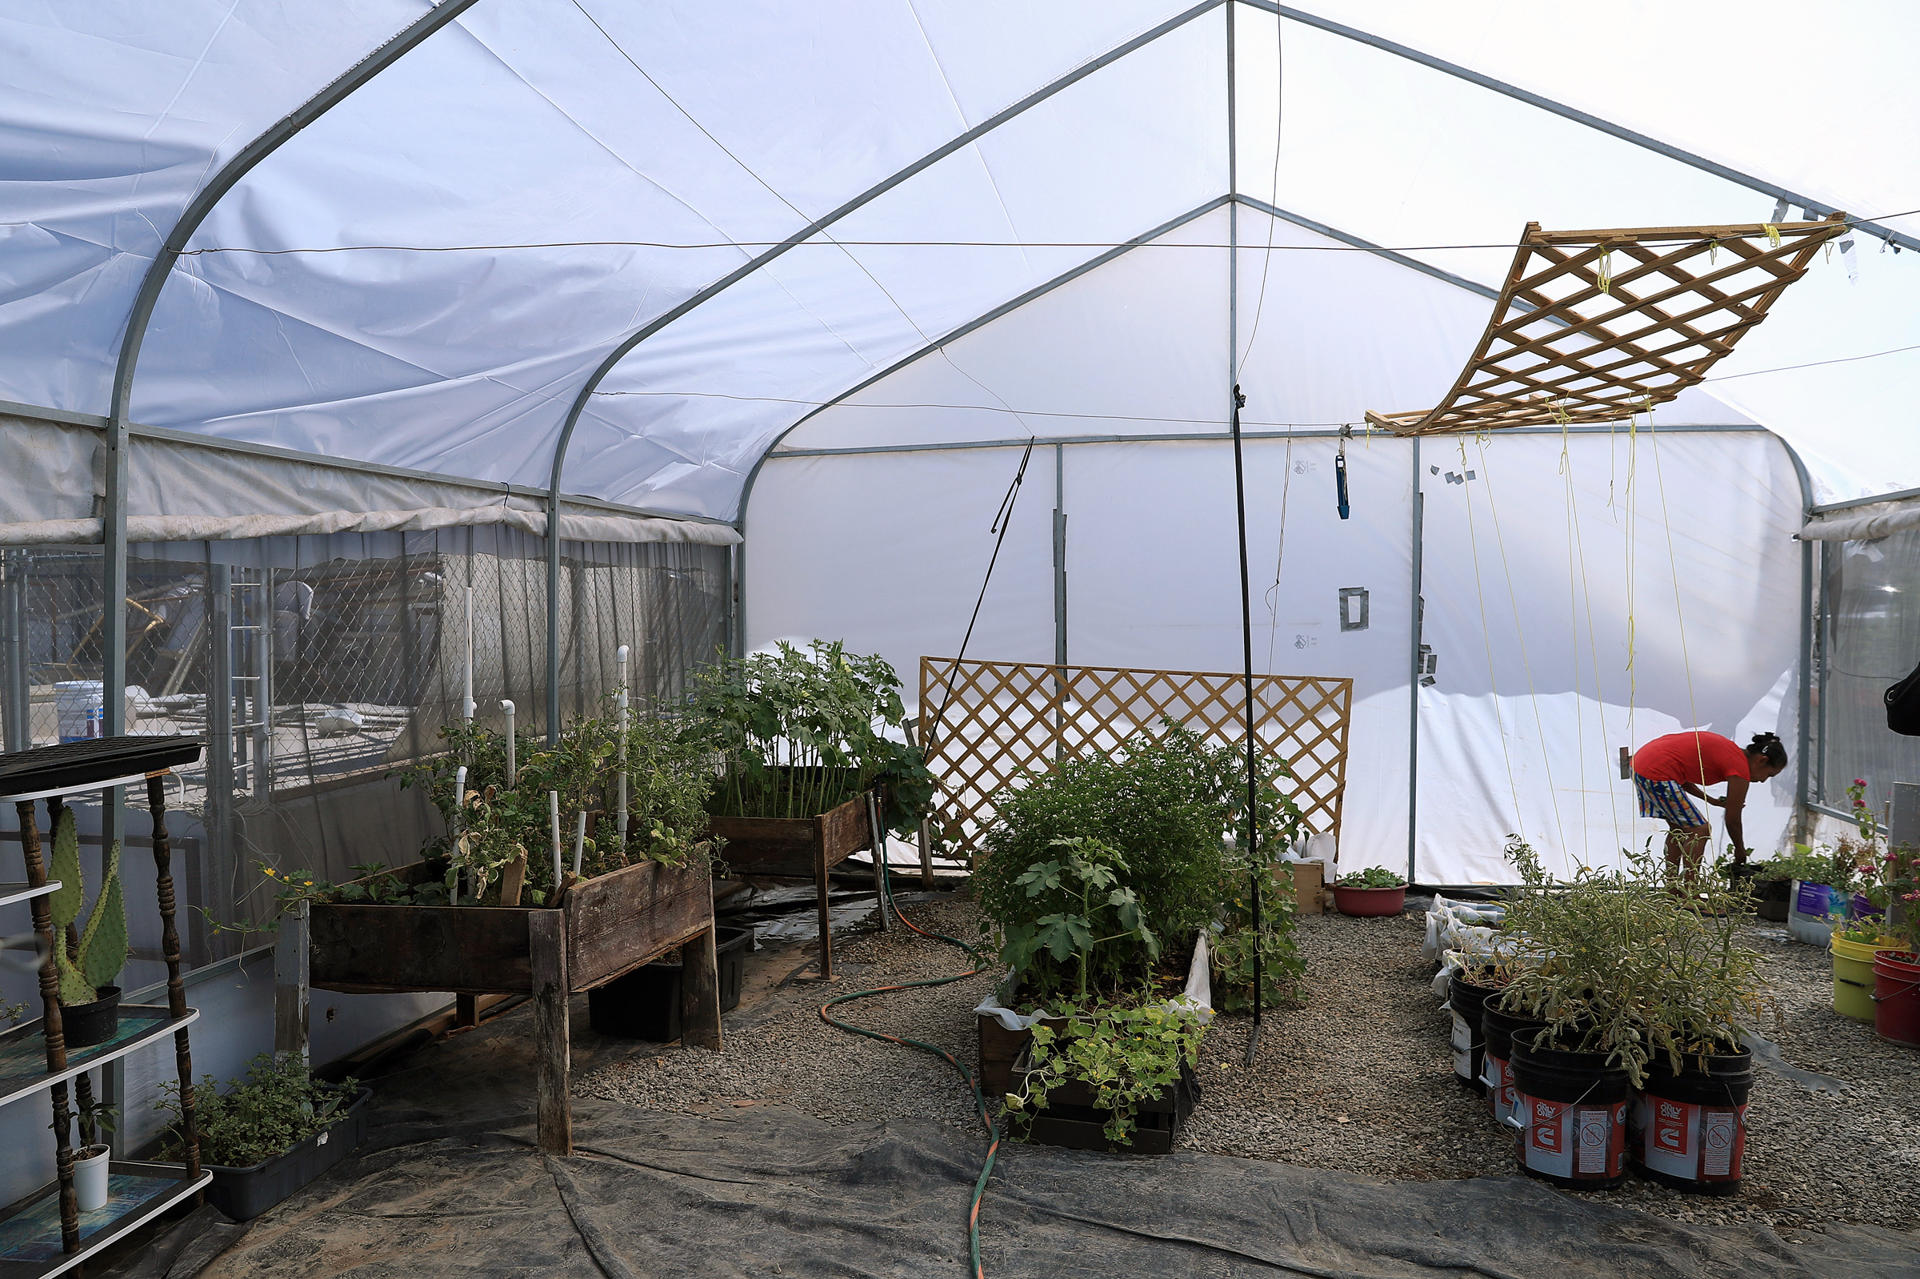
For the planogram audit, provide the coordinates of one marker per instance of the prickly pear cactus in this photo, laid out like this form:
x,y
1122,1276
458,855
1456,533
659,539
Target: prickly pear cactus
x,y
103,947
65,904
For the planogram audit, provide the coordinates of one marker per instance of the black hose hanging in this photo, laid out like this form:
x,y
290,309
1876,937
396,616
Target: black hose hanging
x,y
1246,652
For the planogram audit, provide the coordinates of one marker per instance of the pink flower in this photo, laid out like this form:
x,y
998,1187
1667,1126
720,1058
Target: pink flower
x,y
1859,781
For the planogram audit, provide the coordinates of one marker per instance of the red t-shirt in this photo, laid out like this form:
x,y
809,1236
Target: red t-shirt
x,y
1705,759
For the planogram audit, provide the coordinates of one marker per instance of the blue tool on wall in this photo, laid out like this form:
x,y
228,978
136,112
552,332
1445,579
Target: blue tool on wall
x,y
1340,481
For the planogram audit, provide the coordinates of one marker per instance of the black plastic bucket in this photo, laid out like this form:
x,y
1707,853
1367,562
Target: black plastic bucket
x,y
1466,1000
1770,899
1689,1130
1499,1029
83,1025
1569,1116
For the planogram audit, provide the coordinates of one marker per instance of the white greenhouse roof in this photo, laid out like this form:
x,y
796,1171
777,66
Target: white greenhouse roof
x,y
656,238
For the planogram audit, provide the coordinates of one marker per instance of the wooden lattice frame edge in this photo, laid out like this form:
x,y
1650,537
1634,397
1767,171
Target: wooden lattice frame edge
x,y
1566,387
1319,698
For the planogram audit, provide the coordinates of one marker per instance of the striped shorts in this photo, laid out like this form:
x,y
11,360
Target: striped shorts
x,y
1666,801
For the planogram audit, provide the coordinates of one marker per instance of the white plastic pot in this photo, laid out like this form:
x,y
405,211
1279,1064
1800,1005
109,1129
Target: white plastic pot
x,y
90,1177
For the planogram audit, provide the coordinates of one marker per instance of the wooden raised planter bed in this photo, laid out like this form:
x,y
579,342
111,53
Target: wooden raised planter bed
x,y
803,848
1070,1118
603,928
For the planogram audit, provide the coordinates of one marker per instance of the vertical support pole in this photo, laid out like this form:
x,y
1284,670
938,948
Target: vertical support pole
x,y
113,604
220,714
1803,782
1413,673
820,888
263,686
290,985
52,1030
700,991
737,597
878,840
176,986
553,1063
1059,602
553,612
19,728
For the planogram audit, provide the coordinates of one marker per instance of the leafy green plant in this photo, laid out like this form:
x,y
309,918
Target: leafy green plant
x,y
1125,1056
1089,909
1234,940
273,1108
1634,964
102,950
1157,805
799,733
1371,877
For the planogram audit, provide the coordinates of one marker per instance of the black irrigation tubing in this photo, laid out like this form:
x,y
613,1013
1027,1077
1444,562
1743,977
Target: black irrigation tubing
x,y
979,1099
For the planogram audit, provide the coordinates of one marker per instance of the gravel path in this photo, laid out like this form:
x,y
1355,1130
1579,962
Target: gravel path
x,y
1357,1079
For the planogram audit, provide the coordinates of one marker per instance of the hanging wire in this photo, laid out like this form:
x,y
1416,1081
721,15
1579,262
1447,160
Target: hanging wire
x,y
1272,594
1486,634
1273,197
1577,548
1526,665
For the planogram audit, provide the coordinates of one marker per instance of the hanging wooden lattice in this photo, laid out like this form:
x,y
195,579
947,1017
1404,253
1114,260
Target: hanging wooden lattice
x,y
1000,721
1594,326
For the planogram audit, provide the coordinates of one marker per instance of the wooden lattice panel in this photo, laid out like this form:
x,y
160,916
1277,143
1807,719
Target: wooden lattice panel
x,y
1594,326
1002,720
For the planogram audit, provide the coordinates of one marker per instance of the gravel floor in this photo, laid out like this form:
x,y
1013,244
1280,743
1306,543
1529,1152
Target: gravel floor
x,y
1358,1079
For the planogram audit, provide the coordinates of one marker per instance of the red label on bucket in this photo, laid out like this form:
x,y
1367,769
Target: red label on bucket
x,y
1543,1126
1575,1142
1693,1142
1672,1121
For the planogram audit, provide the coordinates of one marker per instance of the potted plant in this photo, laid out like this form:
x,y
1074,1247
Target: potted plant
x,y
92,1156
1640,986
1373,891
1896,968
1771,881
92,957
266,1135
804,742
1090,883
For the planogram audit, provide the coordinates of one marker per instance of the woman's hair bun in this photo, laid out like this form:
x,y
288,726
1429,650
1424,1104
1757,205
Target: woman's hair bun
x,y
1768,745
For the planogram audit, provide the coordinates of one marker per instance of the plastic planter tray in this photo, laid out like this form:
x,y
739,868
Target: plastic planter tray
x,y
245,1193
646,1003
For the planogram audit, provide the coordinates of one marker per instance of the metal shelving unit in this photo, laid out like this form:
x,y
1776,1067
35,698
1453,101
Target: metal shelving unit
x,y
46,1234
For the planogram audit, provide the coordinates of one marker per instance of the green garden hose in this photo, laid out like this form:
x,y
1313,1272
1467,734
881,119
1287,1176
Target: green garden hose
x,y
979,1099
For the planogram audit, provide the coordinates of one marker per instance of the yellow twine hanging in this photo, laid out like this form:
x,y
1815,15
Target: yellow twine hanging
x,y
1773,234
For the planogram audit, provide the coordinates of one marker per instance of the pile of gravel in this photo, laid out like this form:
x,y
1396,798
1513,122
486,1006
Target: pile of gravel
x,y
1359,1078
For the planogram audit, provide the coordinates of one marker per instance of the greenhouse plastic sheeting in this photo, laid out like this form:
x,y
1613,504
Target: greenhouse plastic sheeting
x,y
427,274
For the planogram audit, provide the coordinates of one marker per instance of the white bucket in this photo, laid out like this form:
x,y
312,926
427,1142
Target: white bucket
x,y
81,707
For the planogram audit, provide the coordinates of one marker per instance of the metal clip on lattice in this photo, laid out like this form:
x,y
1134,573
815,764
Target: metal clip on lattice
x,y
1340,472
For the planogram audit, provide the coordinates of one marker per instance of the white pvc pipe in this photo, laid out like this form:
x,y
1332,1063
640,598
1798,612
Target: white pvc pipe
x,y
513,769
467,704
553,815
579,841
459,811
620,806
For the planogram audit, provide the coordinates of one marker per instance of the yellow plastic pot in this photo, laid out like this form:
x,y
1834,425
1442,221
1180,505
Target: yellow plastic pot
x,y
1853,976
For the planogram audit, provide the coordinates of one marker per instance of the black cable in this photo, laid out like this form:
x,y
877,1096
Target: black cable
x,y
1246,652
1002,521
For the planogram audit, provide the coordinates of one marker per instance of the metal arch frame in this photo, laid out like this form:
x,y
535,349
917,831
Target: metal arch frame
x,y
1818,208
114,529
753,265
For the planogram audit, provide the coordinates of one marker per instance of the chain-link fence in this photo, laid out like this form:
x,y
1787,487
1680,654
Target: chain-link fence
x,y
317,669
1869,639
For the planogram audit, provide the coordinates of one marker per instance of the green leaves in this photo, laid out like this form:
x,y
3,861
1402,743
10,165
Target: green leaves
x,y
1124,1055
66,902
103,946
274,1108
1371,877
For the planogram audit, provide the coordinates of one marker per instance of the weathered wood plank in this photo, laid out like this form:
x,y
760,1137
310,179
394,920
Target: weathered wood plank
x,y
290,984
553,1062
619,921
700,993
463,949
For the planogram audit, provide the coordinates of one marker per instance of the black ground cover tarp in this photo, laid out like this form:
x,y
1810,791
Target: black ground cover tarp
x,y
450,1185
